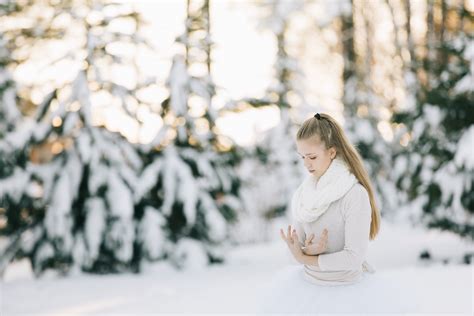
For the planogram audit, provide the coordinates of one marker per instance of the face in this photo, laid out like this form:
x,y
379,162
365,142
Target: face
x,y
315,155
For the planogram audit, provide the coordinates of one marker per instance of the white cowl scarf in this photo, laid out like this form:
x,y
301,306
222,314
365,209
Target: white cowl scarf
x,y
313,197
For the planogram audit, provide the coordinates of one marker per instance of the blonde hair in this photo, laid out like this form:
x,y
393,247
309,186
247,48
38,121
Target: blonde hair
x,y
332,134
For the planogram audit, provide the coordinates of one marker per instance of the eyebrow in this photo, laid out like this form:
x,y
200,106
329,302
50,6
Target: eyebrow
x,y
307,154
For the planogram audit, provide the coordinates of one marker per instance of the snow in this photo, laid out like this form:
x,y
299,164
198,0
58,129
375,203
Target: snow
x,y
465,150
14,184
190,255
225,287
119,238
466,84
70,122
147,179
433,115
178,85
120,235
58,219
98,173
222,174
169,180
16,139
94,226
238,286
7,90
119,197
453,185
151,234
44,252
216,224
365,131
84,147
188,191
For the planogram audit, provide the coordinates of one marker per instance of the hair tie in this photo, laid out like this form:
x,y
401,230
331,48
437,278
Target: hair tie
x,y
317,116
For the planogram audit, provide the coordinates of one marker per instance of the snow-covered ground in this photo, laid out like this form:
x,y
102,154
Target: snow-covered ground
x,y
239,285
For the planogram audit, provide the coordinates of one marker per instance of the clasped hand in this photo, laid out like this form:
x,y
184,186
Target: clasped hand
x,y
313,249
310,248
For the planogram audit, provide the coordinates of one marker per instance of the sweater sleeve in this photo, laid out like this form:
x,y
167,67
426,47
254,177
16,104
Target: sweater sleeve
x,y
357,216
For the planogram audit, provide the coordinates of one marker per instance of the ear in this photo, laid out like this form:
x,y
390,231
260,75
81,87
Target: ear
x,y
332,152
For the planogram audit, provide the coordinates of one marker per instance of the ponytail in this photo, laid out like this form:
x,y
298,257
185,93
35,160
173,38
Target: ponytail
x,y
332,134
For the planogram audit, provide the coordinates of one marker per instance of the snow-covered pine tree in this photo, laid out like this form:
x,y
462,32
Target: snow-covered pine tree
x,y
9,113
82,175
434,167
16,195
189,176
278,143
274,156
363,106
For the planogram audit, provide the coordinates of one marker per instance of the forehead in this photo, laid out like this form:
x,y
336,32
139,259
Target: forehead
x,y
309,146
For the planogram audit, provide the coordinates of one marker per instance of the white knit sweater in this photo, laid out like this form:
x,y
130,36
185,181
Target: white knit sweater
x,y
348,223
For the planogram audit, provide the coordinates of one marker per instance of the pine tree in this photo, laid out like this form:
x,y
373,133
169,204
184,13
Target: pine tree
x,y
9,113
434,165
279,142
189,176
274,156
363,106
78,177
16,196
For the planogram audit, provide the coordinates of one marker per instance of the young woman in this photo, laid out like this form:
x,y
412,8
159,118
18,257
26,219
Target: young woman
x,y
335,203
334,216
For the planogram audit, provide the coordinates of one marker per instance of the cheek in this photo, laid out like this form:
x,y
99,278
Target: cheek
x,y
327,162
321,163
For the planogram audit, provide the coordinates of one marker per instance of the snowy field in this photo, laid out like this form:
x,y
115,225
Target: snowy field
x,y
241,285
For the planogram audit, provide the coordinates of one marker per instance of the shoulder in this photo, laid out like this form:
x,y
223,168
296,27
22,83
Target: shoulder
x,y
356,192
356,199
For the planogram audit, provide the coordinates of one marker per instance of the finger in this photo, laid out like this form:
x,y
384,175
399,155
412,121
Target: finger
x,y
325,246
282,234
311,238
295,235
289,238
